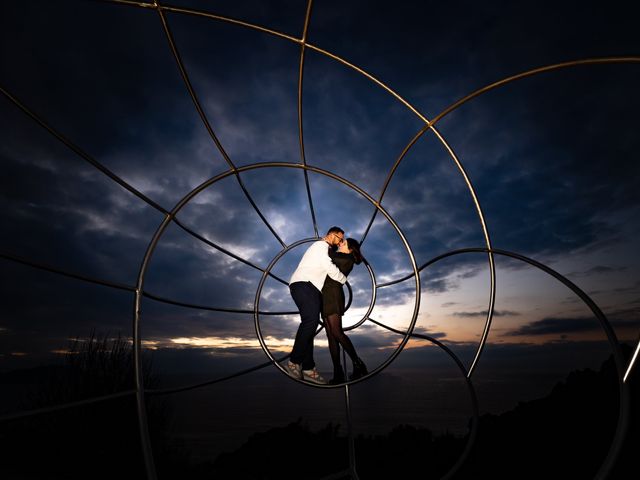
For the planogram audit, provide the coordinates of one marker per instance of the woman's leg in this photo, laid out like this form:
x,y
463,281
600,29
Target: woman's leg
x,y
334,348
334,323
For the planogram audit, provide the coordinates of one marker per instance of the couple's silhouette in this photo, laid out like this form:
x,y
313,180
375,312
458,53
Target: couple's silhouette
x,y
316,288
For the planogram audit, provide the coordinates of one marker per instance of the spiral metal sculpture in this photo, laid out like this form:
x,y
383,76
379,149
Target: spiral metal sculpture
x,y
170,216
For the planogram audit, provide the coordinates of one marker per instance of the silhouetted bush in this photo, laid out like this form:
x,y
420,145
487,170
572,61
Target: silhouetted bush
x,y
98,440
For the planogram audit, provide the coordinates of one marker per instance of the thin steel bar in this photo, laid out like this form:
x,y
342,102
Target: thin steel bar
x,y
372,302
77,276
395,166
422,267
430,126
200,13
223,250
213,309
55,408
370,77
624,390
251,26
352,448
277,257
205,120
421,117
300,118
430,123
473,431
140,392
529,73
632,362
487,241
81,153
130,288
166,391
229,20
76,149
131,3
483,224
143,426
187,82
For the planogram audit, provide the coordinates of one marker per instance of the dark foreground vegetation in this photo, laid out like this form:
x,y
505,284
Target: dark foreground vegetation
x,y
566,434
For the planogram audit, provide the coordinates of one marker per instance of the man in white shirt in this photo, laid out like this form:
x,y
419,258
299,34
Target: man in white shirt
x,y
305,287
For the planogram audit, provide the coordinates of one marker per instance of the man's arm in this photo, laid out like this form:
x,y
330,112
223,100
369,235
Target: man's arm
x,y
333,271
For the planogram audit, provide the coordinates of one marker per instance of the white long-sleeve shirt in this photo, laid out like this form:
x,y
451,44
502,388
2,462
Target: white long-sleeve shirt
x,y
316,265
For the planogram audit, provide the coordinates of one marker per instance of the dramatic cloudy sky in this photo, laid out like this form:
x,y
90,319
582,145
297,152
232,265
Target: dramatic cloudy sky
x,y
553,159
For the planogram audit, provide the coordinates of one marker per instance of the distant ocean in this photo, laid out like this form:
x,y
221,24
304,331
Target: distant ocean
x,y
218,418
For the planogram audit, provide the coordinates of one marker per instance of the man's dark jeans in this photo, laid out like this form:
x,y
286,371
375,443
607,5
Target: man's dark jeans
x,y
309,302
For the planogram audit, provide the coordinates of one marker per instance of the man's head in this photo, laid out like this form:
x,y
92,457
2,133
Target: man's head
x,y
334,236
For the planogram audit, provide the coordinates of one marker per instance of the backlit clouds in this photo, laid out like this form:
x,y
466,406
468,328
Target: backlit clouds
x,y
554,180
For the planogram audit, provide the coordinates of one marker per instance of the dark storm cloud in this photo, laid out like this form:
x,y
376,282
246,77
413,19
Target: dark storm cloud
x,y
103,75
496,313
554,325
503,183
571,325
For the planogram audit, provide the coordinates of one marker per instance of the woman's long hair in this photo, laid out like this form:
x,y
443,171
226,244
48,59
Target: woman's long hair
x,y
354,246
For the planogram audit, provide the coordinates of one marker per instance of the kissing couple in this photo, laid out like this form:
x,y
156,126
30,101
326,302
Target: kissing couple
x,y
316,288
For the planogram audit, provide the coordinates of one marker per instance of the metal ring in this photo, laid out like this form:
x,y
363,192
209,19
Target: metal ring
x,y
282,252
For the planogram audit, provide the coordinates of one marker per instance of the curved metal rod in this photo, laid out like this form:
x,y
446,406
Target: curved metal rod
x,y
171,216
300,131
483,224
224,250
632,362
142,417
202,13
55,408
529,73
353,472
372,302
624,391
120,286
76,149
429,125
185,77
205,120
472,392
143,426
278,256
77,276
251,26
485,89
81,153
166,391
395,166
213,309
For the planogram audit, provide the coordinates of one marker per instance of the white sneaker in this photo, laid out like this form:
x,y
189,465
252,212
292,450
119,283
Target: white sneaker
x,y
313,376
294,370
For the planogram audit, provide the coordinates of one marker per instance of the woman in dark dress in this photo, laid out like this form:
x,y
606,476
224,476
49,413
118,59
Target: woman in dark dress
x,y
345,257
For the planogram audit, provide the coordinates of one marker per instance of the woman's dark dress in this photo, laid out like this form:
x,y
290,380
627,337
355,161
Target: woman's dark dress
x,y
332,293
